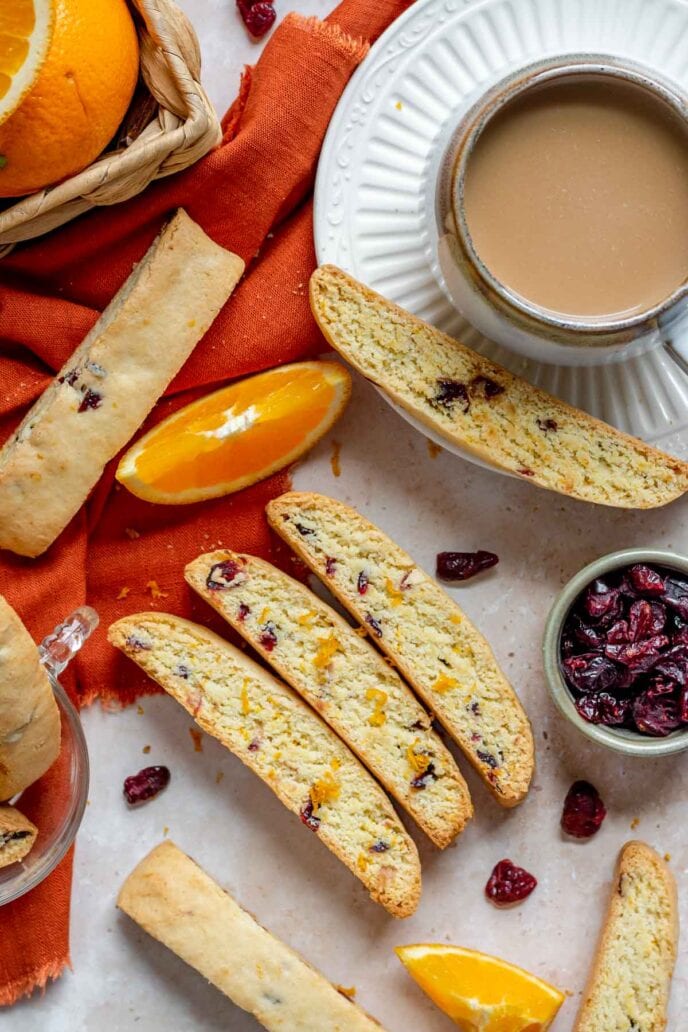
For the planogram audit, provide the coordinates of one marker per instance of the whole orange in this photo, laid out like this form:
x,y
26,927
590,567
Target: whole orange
x,y
78,100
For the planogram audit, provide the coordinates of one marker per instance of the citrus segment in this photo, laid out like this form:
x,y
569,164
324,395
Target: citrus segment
x,y
25,33
236,436
481,993
77,97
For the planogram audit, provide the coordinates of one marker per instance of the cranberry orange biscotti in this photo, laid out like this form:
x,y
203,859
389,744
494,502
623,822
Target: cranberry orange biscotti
x,y
498,417
176,902
408,615
345,680
17,835
631,975
29,717
270,729
107,388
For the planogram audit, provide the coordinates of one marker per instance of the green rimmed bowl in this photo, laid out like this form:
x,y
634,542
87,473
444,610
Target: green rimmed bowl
x,y
622,740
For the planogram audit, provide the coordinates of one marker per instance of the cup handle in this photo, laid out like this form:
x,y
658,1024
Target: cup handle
x,y
57,649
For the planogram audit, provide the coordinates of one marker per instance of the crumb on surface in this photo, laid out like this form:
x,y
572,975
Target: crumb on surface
x,y
131,533
140,710
219,776
335,459
433,449
197,739
634,823
146,749
155,590
123,592
349,992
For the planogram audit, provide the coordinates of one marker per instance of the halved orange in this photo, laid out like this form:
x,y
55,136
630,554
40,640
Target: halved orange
x,y
26,28
238,435
481,993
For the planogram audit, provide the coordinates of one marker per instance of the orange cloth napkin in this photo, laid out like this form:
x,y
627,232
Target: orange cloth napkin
x,y
253,196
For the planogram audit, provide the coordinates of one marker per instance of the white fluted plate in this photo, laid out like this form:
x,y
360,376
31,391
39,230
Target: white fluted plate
x,y
374,198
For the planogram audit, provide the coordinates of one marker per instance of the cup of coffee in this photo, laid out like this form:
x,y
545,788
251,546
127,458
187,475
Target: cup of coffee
x,y
562,209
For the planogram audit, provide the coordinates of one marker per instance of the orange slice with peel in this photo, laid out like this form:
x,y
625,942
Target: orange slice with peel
x,y
26,28
236,436
481,993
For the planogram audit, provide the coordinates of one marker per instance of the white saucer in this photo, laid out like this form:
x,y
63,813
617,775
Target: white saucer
x,y
374,197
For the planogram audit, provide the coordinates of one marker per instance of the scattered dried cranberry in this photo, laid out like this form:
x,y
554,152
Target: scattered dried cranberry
x,y
243,612
362,583
330,566
624,651
487,758
490,388
146,784
303,530
308,817
423,780
583,811
71,377
90,400
182,671
509,884
222,575
449,391
268,636
375,624
526,472
547,425
459,566
379,847
138,644
258,17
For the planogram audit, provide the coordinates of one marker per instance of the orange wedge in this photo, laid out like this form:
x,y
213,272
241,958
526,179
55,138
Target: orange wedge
x,y
26,28
236,436
481,993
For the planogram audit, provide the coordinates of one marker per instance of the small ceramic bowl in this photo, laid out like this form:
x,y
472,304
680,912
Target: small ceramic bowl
x,y
67,807
632,743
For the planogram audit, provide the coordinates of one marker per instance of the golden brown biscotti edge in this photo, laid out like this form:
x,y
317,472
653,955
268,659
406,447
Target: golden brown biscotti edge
x,y
30,728
441,827
676,470
176,902
108,386
399,895
507,798
634,856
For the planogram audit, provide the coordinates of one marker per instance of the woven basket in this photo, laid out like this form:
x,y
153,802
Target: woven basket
x,y
170,125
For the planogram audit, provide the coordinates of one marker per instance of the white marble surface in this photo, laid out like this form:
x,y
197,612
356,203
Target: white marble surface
x,y
122,981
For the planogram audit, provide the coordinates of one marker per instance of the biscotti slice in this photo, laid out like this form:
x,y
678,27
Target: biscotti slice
x,y
498,417
29,717
435,646
17,835
285,743
345,680
111,382
176,902
631,975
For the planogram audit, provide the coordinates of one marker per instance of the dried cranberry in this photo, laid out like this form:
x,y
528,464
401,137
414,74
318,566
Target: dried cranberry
x,y
258,17
379,847
509,884
547,425
656,714
645,580
583,811
602,601
592,637
308,817
138,644
590,672
487,758
526,472
423,780
640,656
268,636
362,583
330,566
222,575
182,671
603,708
646,619
303,530
90,400
450,391
673,664
375,624
243,612
676,596
491,389
618,634
146,784
459,566
683,704
71,377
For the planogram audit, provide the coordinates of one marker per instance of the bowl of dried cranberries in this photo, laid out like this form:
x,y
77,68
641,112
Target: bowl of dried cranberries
x,y
616,651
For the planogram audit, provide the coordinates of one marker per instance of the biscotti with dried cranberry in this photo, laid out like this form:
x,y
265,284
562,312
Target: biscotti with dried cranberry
x,y
17,835
408,615
270,729
631,975
345,680
29,717
498,417
104,392
176,902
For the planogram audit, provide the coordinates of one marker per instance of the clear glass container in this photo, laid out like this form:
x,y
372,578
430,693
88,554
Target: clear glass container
x,y
70,788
